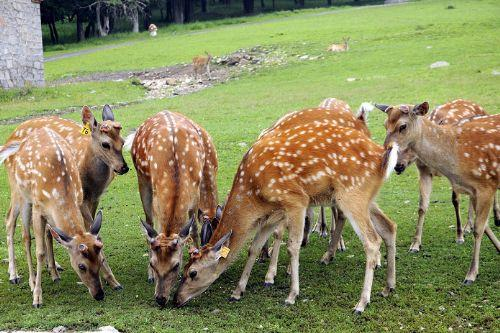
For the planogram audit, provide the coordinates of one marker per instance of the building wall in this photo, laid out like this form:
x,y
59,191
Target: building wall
x,y
21,49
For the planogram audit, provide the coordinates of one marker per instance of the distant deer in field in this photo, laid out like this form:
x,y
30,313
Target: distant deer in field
x,y
447,114
97,149
340,47
152,30
176,165
467,154
43,171
201,65
279,177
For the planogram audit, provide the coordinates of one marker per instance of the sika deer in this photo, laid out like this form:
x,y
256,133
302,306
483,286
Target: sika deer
x,y
97,150
467,154
340,47
176,165
447,114
44,173
279,177
201,65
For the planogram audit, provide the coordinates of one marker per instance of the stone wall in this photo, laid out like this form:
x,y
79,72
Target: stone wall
x,y
21,50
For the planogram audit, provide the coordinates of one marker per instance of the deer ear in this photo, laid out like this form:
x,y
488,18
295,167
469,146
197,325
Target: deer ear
x,y
88,117
60,236
107,113
206,232
185,231
149,231
421,109
382,107
96,226
218,212
222,241
200,215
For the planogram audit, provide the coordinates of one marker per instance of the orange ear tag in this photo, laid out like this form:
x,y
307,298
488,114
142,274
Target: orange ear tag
x,y
85,129
224,251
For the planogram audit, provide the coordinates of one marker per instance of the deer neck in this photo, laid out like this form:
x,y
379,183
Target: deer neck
x,y
70,221
436,147
94,173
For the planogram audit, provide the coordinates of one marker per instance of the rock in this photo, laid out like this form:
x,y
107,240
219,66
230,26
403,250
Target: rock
x,y
170,81
59,329
304,57
495,72
439,64
351,79
108,329
429,47
243,144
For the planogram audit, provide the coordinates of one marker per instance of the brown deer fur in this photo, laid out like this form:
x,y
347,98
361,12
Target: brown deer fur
x,y
98,157
467,154
201,65
44,173
279,177
340,47
176,165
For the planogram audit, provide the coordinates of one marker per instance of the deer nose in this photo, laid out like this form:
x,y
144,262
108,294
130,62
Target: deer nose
x,y
161,300
99,296
399,168
124,169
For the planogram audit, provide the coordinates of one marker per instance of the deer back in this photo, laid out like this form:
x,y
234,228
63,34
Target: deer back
x,y
454,111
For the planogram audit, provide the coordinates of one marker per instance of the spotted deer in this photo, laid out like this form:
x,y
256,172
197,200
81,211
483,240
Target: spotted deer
x,y
201,65
282,174
176,165
43,172
467,154
340,47
97,149
447,114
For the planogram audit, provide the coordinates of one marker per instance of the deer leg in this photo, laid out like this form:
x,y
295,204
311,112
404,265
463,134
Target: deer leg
x,y
360,220
323,228
307,225
194,229
10,226
108,275
51,263
484,201
264,253
496,211
258,241
387,230
295,234
209,73
26,217
470,217
335,239
146,193
39,229
425,193
336,216
455,199
273,264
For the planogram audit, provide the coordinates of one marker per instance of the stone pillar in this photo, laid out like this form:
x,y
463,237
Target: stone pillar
x,y
21,49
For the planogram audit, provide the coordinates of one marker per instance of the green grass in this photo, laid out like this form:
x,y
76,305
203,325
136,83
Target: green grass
x,y
390,59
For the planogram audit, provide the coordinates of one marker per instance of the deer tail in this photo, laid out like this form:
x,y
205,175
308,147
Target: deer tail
x,y
9,150
389,159
129,140
364,109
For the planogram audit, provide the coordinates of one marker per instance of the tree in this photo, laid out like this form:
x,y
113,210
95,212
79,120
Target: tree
x,y
248,6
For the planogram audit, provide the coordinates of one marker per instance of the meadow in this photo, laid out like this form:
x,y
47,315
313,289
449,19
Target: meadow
x,y
389,57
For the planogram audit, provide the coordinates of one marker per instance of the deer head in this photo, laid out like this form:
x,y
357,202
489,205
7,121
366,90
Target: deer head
x,y
166,258
201,270
107,143
85,254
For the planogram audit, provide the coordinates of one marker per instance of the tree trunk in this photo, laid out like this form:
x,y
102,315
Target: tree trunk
x,y
178,9
301,3
329,2
188,10
135,20
274,4
112,18
170,10
262,4
102,21
80,33
248,6
146,18
203,6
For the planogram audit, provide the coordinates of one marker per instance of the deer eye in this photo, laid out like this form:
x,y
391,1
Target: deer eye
x,y
82,267
193,274
402,128
105,145
176,266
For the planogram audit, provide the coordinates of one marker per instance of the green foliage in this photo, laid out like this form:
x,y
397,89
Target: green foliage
x,y
390,59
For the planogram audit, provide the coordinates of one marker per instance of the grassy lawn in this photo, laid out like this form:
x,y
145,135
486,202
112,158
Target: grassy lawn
x,y
390,55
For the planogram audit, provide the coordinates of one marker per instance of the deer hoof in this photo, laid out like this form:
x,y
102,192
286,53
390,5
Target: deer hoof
x,y
233,299
151,279
460,241
56,280
468,282
118,287
268,284
413,250
15,280
358,312
37,305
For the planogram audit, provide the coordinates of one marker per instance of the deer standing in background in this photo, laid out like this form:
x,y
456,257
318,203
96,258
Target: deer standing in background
x,y
176,165
43,172
467,154
283,173
201,65
447,114
340,47
98,154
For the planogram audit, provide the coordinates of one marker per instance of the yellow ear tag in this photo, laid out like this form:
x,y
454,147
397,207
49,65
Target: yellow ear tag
x,y
86,129
224,251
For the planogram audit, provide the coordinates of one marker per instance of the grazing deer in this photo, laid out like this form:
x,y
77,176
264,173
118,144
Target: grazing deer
x,y
176,165
340,47
467,154
152,30
447,114
43,172
97,149
201,65
282,174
